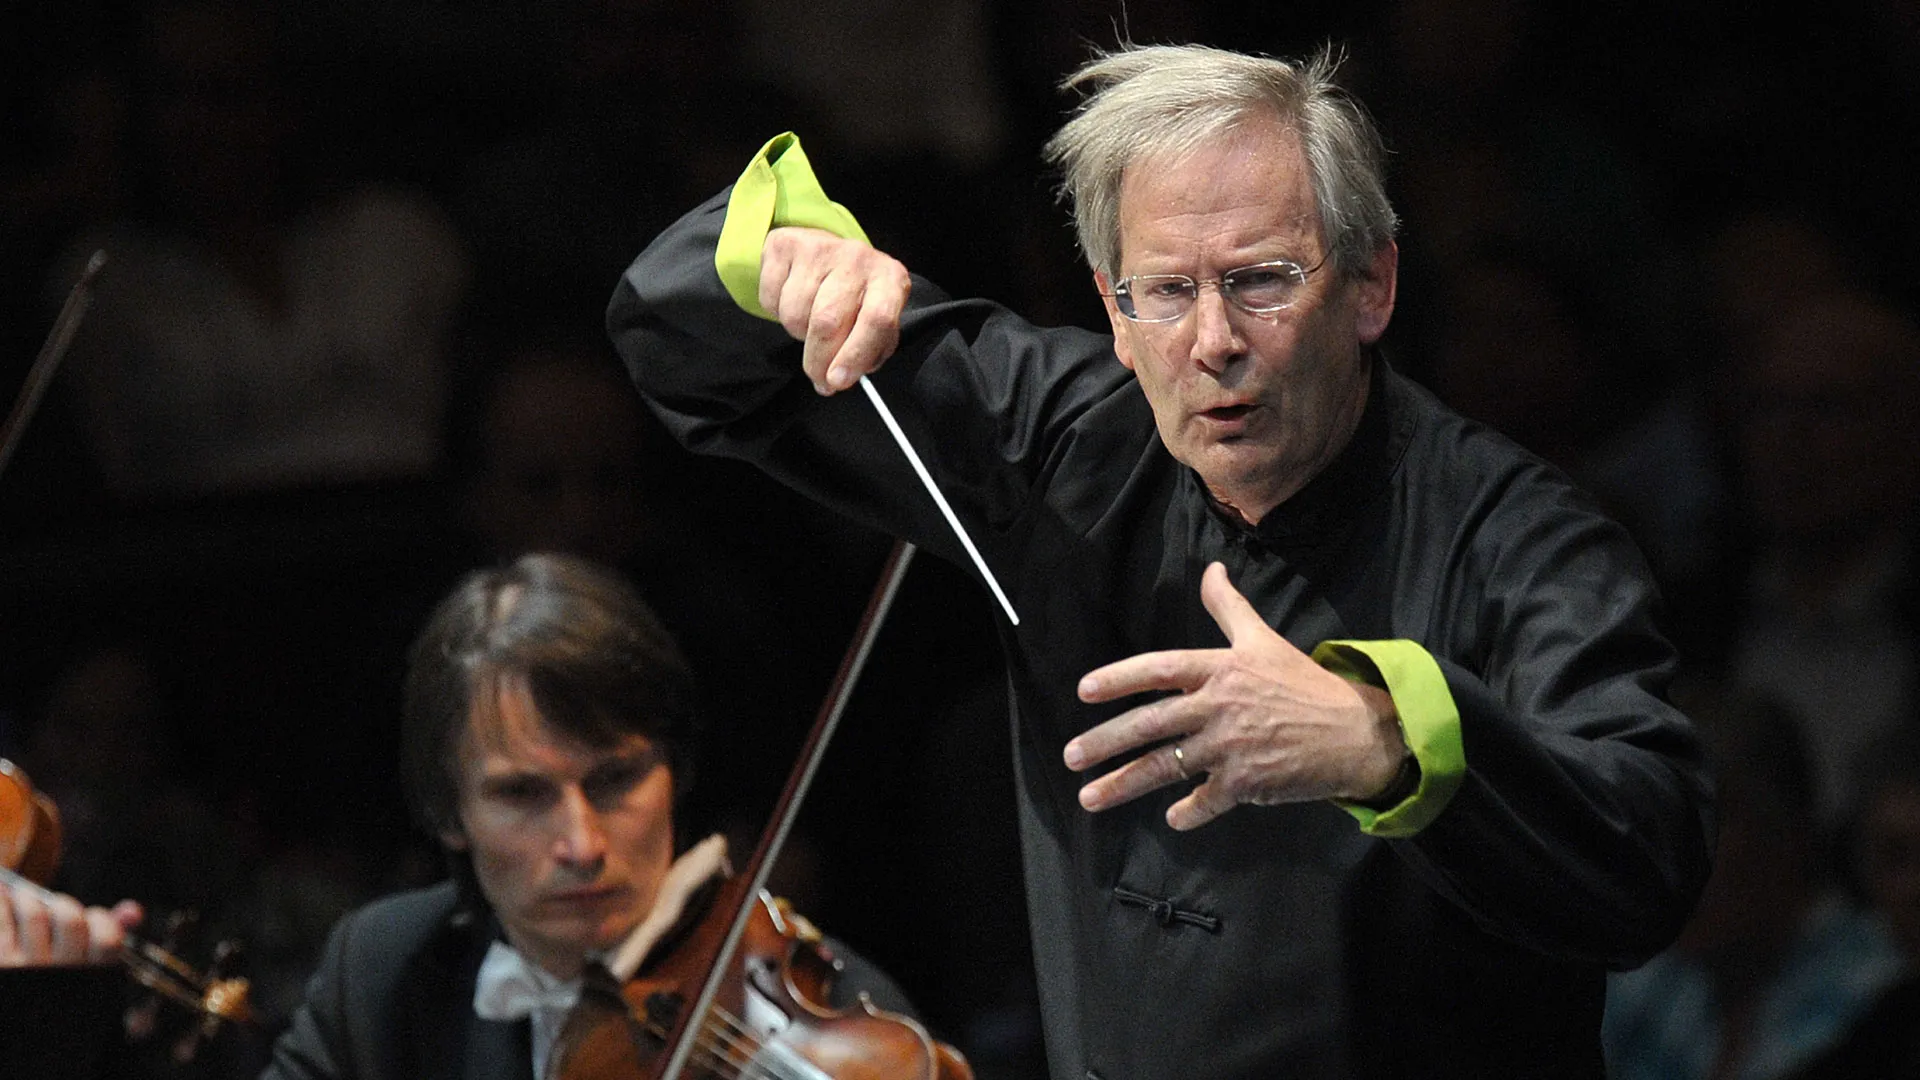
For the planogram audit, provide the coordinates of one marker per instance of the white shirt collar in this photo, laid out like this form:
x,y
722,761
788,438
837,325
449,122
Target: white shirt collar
x,y
510,988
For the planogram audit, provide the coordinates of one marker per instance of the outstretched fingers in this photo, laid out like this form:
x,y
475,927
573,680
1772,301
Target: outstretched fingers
x,y
1169,669
1176,670
1149,772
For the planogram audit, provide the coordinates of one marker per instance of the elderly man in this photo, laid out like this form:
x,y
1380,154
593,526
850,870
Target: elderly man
x,y
547,725
1382,774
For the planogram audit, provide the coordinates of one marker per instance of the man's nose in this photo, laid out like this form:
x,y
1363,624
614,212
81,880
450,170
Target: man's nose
x,y
1216,341
581,841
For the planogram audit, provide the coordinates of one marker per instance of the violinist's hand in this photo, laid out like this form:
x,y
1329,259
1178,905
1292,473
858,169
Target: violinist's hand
x,y
1261,720
841,297
38,931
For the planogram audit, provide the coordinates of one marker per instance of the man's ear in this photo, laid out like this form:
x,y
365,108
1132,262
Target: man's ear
x,y
453,839
1122,345
1374,293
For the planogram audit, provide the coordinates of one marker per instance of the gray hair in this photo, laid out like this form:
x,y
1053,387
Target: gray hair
x,y
1168,100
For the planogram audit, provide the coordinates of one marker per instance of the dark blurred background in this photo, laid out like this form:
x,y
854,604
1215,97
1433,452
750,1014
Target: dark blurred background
x,y
348,346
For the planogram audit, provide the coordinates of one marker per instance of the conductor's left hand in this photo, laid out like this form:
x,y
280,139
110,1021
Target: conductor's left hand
x,y
1261,721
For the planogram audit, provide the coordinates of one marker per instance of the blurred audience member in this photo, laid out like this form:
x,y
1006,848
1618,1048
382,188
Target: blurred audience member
x,y
1777,962
249,333
891,80
649,110
294,896
1766,258
1488,151
1754,260
63,124
1885,1044
1828,463
554,454
910,107
1517,341
106,749
1541,293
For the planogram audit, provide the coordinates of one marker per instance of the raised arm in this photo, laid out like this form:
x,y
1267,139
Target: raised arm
x,y
741,323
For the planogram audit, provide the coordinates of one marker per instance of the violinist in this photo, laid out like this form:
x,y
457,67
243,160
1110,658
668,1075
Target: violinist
x,y
546,723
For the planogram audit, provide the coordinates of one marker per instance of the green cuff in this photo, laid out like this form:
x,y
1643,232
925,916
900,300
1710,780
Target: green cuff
x,y
777,189
1429,720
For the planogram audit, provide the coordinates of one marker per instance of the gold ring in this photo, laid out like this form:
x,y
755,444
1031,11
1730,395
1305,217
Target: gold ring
x,y
1180,761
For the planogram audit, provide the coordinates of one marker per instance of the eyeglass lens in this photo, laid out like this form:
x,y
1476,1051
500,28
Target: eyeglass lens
x,y
1264,288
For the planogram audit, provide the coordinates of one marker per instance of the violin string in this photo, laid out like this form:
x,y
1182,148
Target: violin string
x,y
728,1048
731,1051
726,1053
710,1053
711,1061
724,1063
715,1064
719,1051
739,1038
715,1055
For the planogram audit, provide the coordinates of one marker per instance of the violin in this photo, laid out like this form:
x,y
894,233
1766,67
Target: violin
x,y
691,1014
782,958
29,856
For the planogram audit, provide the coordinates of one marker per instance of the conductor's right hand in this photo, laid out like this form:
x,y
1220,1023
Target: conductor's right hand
x,y
37,930
841,297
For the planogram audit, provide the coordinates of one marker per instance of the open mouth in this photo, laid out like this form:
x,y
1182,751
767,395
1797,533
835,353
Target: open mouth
x,y
1228,413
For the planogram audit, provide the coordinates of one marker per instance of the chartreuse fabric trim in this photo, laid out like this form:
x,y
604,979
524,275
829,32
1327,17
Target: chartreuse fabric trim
x,y
1429,720
779,188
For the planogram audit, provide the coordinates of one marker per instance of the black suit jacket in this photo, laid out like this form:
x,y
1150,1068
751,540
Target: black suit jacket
x,y
393,1000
